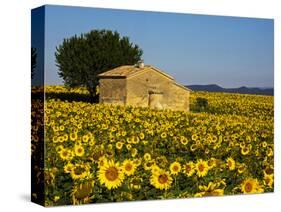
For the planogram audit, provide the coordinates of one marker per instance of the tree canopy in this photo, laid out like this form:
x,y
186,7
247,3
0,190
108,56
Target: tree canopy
x,y
81,58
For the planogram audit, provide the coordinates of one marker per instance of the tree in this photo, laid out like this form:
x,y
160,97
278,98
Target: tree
x,y
201,103
81,58
33,61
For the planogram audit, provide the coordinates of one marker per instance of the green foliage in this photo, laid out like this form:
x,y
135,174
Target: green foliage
x,y
81,58
33,61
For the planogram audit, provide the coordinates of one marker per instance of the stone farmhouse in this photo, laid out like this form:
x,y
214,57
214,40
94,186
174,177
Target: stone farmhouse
x,y
142,86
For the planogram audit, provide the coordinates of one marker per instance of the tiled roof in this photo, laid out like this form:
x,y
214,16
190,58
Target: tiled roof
x,y
130,70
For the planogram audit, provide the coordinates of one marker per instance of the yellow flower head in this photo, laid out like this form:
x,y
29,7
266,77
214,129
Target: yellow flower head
x,y
68,168
129,167
81,192
189,169
147,157
183,140
161,180
119,145
202,168
163,135
79,150
66,154
211,190
175,168
134,152
212,162
80,171
268,180
111,175
251,186
245,150
230,162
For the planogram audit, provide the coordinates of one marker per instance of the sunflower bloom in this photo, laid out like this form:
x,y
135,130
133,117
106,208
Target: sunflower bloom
x,y
230,162
251,186
79,150
161,180
129,167
202,168
111,175
175,168
189,169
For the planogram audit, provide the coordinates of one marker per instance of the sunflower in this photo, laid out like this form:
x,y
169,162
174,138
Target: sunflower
x,y
55,139
128,146
147,157
241,168
245,150
230,162
175,168
194,137
268,180
102,161
155,168
141,135
81,192
188,169
79,150
129,167
193,147
148,165
269,152
135,183
202,168
268,170
161,180
80,171
111,175
66,154
68,168
134,152
211,190
85,138
163,135
138,161
73,136
119,145
183,140
251,186
264,144
212,162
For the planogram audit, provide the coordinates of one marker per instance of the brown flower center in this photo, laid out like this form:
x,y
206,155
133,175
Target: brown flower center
x,y
64,153
201,167
163,178
248,187
188,168
111,174
268,170
79,170
175,168
128,167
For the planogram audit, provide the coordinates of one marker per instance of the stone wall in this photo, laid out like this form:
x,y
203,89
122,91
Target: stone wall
x,y
112,91
140,86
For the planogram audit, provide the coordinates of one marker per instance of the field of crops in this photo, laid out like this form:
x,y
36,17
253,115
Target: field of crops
x,y
103,153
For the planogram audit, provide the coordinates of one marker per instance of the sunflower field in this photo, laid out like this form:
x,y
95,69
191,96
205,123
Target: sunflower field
x,y
105,153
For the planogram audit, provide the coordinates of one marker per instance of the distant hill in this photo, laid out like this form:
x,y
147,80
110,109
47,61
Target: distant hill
x,y
241,90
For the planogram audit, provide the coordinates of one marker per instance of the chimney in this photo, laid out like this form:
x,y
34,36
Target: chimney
x,y
140,64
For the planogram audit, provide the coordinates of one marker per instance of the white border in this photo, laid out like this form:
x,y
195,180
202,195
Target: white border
x,y
15,103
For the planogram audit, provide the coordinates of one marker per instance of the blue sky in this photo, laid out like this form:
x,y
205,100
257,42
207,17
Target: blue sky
x,y
195,49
